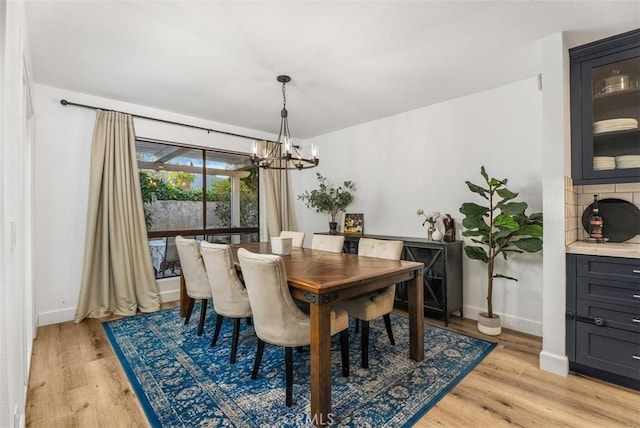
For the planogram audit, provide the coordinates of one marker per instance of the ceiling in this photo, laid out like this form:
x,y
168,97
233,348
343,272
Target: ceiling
x,y
350,62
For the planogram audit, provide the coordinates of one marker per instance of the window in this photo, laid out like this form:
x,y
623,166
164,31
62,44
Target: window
x,y
202,193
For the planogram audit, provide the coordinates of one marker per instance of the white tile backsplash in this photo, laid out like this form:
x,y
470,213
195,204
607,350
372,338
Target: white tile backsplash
x,y
570,211
578,198
597,188
627,187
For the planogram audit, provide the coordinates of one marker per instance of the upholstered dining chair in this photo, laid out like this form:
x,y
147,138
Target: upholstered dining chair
x,y
377,304
229,295
298,237
332,243
277,319
195,277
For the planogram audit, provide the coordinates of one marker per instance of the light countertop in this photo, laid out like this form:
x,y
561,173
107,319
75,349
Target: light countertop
x,y
610,249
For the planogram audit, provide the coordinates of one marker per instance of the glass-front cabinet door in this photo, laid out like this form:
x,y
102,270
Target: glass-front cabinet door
x,y
605,102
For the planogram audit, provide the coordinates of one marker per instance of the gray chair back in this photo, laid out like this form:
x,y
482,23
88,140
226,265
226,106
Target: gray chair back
x,y
298,237
276,318
195,275
230,298
331,243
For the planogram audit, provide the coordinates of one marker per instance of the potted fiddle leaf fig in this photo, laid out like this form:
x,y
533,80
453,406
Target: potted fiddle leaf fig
x,y
500,227
329,199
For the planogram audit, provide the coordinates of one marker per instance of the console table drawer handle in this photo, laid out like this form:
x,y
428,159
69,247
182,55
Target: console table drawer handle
x,y
636,271
637,357
636,320
636,296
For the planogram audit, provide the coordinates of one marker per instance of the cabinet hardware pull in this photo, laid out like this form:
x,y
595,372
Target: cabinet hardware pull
x,y
637,357
636,296
636,271
635,320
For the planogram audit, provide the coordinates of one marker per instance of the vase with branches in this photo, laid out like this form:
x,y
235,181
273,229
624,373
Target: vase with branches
x,y
329,199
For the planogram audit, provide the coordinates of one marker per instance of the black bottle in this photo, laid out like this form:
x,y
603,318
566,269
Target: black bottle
x,y
595,221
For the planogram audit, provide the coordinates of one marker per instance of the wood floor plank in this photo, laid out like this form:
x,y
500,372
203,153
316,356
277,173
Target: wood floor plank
x,y
77,381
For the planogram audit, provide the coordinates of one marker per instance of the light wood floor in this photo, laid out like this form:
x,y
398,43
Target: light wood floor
x,y
77,381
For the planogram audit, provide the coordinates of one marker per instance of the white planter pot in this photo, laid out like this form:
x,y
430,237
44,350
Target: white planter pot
x,y
489,326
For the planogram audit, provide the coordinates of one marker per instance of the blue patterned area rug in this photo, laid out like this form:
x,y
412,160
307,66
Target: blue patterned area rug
x,y
183,382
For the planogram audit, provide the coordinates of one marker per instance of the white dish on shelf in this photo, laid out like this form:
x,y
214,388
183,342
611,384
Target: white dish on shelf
x,y
618,121
628,158
604,162
611,125
628,165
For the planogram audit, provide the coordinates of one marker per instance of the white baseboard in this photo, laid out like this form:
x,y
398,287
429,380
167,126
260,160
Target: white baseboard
x,y
56,317
512,322
169,290
557,364
169,296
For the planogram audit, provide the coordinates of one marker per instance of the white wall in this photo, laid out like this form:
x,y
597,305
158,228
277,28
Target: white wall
x,y
16,308
61,171
557,164
418,159
421,159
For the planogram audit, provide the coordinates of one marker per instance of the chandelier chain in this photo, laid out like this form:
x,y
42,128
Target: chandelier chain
x,y
284,95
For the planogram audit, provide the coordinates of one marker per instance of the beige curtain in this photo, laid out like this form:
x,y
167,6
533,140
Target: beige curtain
x,y
277,196
117,275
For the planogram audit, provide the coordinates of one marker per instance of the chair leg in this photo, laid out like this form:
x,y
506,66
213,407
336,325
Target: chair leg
x,y
189,310
344,351
203,315
364,344
248,320
357,324
214,339
256,363
387,324
288,375
234,341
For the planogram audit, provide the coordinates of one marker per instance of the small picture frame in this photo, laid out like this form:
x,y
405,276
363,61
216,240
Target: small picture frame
x,y
353,224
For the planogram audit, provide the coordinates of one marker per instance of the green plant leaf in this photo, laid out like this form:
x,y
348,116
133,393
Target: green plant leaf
x,y
484,241
494,182
530,245
505,252
506,194
476,232
477,189
536,218
502,232
474,215
483,172
512,208
499,275
505,221
476,253
533,230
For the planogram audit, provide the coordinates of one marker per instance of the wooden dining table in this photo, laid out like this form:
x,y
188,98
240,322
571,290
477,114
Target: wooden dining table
x,y
322,278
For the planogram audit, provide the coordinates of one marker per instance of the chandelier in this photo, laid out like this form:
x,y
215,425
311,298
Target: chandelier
x,y
284,154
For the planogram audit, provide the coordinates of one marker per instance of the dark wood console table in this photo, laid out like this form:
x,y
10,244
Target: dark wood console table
x,y
442,275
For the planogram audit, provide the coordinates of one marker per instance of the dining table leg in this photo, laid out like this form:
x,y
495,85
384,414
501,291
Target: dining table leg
x,y
416,316
321,364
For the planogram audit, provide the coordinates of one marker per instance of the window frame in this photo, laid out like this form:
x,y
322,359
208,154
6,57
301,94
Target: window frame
x,y
205,231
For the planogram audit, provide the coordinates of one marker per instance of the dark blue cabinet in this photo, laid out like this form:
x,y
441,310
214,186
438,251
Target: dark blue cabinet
x,y
603,318
605,110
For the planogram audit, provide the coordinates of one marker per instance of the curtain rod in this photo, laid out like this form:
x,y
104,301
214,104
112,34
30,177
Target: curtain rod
x,y
69,103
